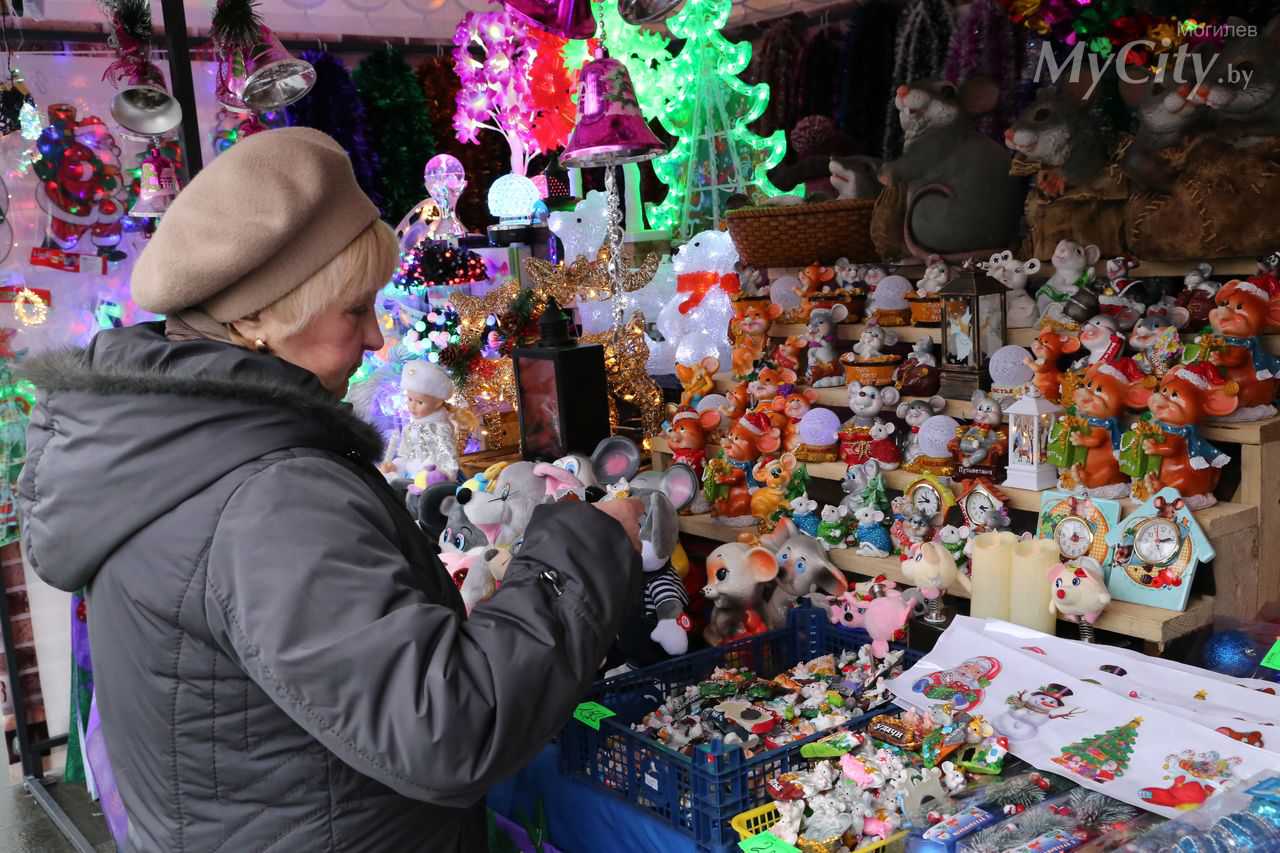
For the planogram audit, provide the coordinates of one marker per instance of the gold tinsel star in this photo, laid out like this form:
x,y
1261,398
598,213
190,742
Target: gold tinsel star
x,y
625,356
1202,695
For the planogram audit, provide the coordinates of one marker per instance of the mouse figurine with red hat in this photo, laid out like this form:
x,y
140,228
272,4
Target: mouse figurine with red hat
x,y
1186,396
1242,309
728,480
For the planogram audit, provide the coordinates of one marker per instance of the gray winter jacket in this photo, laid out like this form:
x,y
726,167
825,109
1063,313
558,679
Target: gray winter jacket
x,y
281,662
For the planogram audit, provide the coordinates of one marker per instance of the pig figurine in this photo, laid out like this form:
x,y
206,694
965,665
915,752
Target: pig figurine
x,y
931,567
736,574
1079,590
960,199
803,568
1014,274
883,618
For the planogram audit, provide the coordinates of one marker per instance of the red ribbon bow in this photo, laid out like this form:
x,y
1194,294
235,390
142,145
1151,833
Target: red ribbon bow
x,y
698,284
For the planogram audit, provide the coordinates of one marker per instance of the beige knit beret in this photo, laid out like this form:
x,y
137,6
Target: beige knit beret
x,y
257,222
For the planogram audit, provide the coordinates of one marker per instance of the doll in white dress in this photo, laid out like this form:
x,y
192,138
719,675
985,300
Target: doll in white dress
x,y
428,438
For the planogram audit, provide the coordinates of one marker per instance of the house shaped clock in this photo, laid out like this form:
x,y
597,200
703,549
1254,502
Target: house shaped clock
x,y
1078,524
1156,551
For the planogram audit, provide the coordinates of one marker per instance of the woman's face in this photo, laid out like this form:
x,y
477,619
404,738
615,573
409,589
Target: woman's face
x,y
333,344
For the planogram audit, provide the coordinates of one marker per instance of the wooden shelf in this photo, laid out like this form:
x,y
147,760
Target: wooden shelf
x,y
1221,519
1245,432
1149,624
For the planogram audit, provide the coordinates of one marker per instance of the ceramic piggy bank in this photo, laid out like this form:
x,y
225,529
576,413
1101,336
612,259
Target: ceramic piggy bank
x,y
736,573
1079,590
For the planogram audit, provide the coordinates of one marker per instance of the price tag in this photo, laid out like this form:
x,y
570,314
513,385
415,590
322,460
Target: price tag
x,y
591,713
1272,660
766,842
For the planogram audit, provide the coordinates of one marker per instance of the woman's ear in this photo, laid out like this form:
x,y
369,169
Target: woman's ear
x,y
250,328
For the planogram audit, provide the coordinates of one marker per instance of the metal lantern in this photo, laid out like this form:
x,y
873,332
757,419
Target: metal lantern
x,y
973,327
1030,419
563,391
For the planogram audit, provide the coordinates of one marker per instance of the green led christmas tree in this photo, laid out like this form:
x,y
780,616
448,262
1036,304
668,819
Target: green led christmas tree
x,y
1103,757
708,111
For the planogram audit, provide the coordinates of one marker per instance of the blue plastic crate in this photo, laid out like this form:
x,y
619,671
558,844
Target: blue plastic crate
x,y
698,795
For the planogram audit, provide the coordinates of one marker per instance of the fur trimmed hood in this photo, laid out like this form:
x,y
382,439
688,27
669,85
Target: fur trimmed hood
x,y
129,428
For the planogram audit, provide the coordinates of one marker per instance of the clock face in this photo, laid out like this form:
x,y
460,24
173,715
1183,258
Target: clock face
x,y
1157,541
979,506
1073,537
926,499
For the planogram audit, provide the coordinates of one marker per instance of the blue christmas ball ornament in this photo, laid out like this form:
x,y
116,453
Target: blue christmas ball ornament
x,y
1231,653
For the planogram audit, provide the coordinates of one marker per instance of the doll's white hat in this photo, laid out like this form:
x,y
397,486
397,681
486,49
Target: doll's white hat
x,y
421,377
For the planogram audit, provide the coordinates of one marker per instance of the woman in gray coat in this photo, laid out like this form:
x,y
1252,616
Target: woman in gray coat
x,y
281,663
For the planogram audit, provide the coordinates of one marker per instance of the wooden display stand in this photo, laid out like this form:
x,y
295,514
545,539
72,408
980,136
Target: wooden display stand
x,y
1244,530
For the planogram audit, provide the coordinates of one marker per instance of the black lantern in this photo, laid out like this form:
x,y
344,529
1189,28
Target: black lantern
x,y
973,327
563,391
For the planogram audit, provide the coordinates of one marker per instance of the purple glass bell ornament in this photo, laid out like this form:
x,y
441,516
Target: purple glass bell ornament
x,y
571,19
609,129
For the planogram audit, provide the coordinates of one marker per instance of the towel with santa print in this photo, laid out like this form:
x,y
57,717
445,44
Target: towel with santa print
x,y
1141,755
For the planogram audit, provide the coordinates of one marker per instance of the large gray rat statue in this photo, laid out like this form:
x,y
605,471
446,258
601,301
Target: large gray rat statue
x,y
960,199
1242,91
1165,119
1078,194
804,567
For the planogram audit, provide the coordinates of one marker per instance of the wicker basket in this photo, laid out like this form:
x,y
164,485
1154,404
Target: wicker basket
x,y
800,234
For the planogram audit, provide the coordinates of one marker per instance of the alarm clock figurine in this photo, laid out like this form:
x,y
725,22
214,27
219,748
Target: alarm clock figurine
x,y
425,447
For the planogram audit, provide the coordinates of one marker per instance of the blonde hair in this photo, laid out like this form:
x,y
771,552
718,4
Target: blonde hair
x,y
361,269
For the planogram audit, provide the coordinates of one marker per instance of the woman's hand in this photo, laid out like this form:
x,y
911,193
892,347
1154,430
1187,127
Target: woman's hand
x,y
627,512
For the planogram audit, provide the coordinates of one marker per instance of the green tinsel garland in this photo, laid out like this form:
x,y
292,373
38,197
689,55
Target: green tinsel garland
x,y
399,129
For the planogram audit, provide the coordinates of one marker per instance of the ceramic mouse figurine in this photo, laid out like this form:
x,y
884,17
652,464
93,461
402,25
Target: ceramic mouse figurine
x,y
918,375
1101,398
697,380
793,406
1243,310
980,447
736,574
871,534
687,437
833,529
774,475
1047,350
873,341
1185,397
804,514
936,275
1101,340
959,198
856,438
915,413
859,485
1155,341
1021,311
823,369
750,332
1073,268
803,568
730,477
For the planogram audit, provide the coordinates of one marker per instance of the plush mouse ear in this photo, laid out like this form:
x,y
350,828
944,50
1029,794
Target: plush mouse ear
x,y
615,458
679,483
